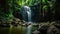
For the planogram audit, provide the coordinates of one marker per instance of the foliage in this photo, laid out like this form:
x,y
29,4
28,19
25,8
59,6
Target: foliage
x,y
27,2
15,5
10,9
46,3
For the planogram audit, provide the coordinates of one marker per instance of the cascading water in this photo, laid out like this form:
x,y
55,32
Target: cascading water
x,y
26,13
29,15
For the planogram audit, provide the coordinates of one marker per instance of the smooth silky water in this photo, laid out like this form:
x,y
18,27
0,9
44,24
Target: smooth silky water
x,y
27,11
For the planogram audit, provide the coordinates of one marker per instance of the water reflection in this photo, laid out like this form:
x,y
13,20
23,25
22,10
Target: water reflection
x,y
11,30
16,30
29,29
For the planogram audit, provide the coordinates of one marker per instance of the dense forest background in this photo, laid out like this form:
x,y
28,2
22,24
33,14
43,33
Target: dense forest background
x,y
43,10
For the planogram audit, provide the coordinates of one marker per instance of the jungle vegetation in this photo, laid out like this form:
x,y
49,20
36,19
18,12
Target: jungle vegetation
x,y
43,9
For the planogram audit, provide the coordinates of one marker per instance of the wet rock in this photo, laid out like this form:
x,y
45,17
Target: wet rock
x,y
52,30
57,24
43,29
36,32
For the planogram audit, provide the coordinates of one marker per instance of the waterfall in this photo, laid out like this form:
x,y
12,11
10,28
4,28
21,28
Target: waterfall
x,y
26,13
29,16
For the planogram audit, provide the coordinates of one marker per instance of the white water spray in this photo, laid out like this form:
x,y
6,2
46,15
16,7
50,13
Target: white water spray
x,y
27,11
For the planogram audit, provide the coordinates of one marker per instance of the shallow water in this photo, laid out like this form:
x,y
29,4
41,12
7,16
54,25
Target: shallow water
x,y
12,30
29,29
16,30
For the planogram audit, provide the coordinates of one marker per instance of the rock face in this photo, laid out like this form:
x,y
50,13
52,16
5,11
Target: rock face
x,y
52,30
36,32
14,21
43,29
17,21
49,29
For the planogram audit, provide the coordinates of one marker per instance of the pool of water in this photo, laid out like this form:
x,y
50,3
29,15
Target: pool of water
x,y
16,30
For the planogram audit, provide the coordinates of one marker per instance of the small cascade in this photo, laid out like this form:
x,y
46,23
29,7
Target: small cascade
x,y
26,14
